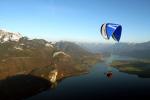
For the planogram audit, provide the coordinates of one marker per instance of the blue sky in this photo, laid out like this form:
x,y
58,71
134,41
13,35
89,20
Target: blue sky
x,y
76,20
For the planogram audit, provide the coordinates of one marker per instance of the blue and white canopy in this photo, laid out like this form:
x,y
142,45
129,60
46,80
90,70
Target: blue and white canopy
x,y
110,29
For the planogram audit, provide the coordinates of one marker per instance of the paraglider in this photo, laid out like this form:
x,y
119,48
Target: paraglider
x,y
111,30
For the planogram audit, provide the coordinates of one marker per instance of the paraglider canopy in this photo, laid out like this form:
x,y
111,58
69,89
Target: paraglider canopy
x,y
110,29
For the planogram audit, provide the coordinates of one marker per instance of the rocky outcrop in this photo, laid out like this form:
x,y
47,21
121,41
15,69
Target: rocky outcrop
x,y
49,45
53,76
6,36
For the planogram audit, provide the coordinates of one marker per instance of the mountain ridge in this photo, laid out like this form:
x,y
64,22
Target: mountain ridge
x,y
139,50
25,55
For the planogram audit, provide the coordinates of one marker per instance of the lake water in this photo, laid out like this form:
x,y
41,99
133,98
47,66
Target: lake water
x,y
96,85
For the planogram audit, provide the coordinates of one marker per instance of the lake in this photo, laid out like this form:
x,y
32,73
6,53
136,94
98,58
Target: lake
x,y
96,85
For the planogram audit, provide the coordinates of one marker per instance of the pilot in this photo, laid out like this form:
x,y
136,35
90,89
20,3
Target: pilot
x,y
109,74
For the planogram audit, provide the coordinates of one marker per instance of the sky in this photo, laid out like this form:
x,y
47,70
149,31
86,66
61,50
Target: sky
x,y
76,20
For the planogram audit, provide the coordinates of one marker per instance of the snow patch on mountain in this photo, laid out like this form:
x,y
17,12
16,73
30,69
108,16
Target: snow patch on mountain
x,y
49,45
6,36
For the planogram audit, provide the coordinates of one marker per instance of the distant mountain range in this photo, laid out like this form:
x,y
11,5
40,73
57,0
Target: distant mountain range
x,y
138,50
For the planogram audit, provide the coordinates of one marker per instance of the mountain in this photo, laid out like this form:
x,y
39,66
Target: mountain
x,y
27,61
102,48
137,50
23,56
78,54
72,48
20,55
6,36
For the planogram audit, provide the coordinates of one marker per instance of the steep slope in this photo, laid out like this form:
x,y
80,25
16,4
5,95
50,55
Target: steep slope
x,y
37,64
26,56
72,48
80,58
76,51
